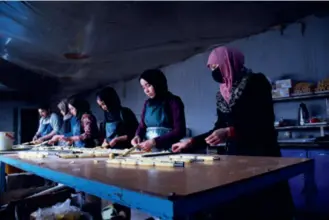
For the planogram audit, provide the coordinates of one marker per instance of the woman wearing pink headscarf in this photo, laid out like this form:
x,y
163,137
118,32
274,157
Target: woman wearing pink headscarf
x,y
245,120
244,109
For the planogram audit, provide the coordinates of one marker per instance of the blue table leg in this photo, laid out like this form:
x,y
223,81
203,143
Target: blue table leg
x,y
2,177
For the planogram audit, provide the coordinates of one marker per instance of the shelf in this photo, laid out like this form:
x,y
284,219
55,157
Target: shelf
x,y
299,127
301,97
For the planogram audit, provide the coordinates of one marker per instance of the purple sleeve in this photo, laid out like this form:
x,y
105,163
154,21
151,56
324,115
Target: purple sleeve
x,y
179,126
141,129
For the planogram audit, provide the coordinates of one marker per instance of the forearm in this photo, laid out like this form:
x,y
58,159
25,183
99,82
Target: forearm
x,y
141,130
165,141
122,138
38,134
199,140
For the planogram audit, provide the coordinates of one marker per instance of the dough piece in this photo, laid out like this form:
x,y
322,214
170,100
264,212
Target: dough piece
x,y
164,164
101,154
207,158
185,160
129,162
111,156
136,155
86,155
67,156
32,155
146,163
182,156
114,161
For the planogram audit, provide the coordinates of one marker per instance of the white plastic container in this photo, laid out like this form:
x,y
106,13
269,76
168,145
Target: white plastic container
x,y
6,140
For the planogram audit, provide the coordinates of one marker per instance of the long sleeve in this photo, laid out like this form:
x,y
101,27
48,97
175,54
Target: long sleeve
x,y
198,142
55,123
141,129
179,125
131,123
87,123
253,121
39,128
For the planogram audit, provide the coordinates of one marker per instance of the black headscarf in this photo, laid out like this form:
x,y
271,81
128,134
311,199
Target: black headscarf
x,y
158,80
109,96
81,105
44,106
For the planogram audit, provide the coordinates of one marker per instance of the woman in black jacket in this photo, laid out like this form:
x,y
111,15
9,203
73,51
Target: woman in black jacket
x,y
246,123
120,123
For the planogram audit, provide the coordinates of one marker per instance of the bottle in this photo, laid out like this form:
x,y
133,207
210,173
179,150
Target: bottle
x,y
303,115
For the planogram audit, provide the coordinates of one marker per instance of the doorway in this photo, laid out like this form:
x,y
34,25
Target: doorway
x,y
29,122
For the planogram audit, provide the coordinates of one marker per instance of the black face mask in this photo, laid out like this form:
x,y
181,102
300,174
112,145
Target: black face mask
x,y
217,75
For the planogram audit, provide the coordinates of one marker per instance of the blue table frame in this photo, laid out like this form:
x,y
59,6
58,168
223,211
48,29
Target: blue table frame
x,y
170,207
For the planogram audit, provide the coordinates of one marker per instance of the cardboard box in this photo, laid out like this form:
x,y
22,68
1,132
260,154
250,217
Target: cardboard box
x,y
281,93
284,84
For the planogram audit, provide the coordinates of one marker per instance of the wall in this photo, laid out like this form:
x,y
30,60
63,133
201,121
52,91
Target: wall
x,y
7,119
303,57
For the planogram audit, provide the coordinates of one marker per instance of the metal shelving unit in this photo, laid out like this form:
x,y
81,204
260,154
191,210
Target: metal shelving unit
x,y
303,97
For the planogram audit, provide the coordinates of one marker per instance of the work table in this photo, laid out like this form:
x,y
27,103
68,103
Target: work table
x,y
169,188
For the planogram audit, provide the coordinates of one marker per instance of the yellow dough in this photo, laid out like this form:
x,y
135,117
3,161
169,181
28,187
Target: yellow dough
x,y
145,163
183,157
129,162
114,161
101,154
32,155
207,157
67,156
86,155
164,164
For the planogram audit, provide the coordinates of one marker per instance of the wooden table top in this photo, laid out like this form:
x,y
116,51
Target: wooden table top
x,y
193,178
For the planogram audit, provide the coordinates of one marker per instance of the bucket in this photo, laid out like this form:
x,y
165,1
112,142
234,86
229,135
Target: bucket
x,y
6,140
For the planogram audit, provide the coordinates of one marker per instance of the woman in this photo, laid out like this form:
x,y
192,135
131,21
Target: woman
x,y
66,125
84,130
163,119
120,122
49,125
245,122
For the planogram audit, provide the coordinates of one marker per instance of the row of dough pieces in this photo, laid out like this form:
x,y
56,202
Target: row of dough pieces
x,y
170,161
75,149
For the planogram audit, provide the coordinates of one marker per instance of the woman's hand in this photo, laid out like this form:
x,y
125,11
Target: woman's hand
x,y
114,142
135,141
105,144
147,145
178,147
35,138
55,139
38,141
69,140
217,137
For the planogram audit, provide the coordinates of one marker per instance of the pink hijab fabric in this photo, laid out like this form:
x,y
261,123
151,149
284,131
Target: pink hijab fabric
x,y
230,62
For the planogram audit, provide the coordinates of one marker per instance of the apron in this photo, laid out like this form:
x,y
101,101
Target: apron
x,y
76,131
157,122
66,131
46,129
111,129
